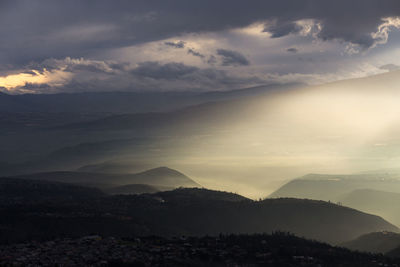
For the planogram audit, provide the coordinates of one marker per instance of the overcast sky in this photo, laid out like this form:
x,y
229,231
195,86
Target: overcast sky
x,y
52,46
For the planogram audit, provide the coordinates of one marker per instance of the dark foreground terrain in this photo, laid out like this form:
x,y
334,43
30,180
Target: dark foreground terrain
x,y
278,249
46,210
42,224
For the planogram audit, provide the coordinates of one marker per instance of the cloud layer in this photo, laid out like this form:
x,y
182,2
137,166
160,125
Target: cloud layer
x,y
71,75
35,33
232,58
34,30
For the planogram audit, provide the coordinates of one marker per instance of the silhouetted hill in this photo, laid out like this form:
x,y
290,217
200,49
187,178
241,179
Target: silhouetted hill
x,y
165,177
201,212
332,187
182,212
314,218
378,242
29,191
162,176
382,203
199,194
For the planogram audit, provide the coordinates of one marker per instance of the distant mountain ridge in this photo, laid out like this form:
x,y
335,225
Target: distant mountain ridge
x,y
383,203
159,177
333,187
122,102
184,211
24,190
378,242
375,193
185,195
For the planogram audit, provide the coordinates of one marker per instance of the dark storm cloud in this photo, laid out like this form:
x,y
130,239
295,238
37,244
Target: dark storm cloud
x,y
212,60
178,76
280,29
195,53
36,30
201,77
169,71
30,72
292,50
180,44
232,58
77,65
150,75
36,87
95,67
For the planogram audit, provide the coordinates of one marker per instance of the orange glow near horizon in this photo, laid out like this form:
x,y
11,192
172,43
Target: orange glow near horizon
x,y
13,81
20,79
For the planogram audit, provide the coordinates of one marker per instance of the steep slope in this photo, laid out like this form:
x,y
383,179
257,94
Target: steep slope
x,y
163,176
379,242
382,203
193,211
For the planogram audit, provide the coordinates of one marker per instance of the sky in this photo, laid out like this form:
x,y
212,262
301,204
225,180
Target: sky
x,y
178,45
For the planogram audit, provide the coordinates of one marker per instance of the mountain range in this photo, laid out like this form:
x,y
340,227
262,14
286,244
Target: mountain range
x,y
384,203
376,193
161,178
123,102
253,126
44,213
